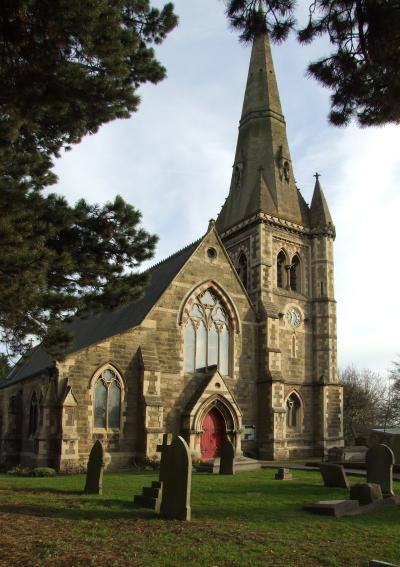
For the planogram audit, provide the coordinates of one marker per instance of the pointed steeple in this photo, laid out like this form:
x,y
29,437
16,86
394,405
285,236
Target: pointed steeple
x,y
320,217
262,146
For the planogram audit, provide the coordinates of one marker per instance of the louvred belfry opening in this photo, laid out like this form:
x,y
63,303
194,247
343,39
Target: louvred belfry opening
x,y
213,435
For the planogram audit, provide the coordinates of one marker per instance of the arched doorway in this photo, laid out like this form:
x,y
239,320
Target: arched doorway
x,y
214,432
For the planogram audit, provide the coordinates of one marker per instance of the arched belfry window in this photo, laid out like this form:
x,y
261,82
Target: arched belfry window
x,y
242,269
107,400
33,415
281,270
207,334
294,412
295,279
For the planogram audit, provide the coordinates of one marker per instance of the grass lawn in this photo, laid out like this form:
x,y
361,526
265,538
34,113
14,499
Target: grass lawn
x,y
247,519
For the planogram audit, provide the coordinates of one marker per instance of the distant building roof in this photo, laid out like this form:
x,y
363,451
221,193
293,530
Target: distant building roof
x,y
388,430
107,323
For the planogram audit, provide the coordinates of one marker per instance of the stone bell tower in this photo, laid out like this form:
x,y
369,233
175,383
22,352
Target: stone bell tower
x,y
283,252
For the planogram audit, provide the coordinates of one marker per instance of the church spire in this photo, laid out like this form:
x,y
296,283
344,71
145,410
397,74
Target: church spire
x,y
262,178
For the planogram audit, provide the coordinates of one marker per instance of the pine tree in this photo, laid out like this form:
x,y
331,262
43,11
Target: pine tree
x,y
66,68
4,366
363,70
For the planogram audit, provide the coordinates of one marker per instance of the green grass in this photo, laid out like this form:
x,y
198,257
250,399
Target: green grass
x,y
248,519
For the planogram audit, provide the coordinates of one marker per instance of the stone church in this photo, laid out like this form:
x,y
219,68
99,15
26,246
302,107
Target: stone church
x,y
235,336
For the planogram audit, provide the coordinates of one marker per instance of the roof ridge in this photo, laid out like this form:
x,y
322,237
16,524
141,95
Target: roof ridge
x,y
173,255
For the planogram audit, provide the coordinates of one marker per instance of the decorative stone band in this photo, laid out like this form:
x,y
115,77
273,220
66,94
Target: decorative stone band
x,y
269,219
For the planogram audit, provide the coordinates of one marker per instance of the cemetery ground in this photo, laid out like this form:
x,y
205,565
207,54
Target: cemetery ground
x,y
242,520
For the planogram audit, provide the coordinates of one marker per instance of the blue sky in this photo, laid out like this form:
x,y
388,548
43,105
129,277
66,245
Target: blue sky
x,y
172,160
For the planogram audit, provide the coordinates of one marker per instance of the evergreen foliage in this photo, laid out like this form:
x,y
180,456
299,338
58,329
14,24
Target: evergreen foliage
x,y
4,366
66,68
362,71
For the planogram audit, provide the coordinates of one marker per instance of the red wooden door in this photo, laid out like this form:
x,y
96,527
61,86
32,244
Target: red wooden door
x,y
213,435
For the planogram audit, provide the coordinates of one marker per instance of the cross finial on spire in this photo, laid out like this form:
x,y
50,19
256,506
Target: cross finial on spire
x,y
317,175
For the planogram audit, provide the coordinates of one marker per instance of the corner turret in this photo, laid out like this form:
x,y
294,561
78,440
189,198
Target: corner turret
x,y
320,216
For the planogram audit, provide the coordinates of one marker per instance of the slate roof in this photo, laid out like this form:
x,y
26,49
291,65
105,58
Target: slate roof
x,y
106,324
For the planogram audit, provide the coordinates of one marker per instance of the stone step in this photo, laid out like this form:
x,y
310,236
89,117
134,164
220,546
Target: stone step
x,y
150,492
145,502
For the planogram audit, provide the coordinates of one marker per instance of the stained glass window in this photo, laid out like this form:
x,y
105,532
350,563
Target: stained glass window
x,y
207,336
107,401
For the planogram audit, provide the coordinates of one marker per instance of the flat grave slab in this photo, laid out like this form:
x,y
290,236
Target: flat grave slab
x,y
339,508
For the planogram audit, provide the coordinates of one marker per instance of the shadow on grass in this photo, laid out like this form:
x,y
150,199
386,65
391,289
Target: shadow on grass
x,y
104,510
44,490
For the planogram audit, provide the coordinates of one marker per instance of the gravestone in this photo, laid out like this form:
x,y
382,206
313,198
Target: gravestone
x,y
227,458
176,477
283,474
334,475
379,461
95,467
366,493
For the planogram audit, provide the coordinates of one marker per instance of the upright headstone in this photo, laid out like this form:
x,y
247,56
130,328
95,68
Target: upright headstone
x,y
283,474
227,458
333,475
95,467
176,478
379,461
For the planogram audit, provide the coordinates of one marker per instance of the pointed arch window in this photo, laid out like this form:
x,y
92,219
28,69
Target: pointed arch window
x,y
295,279
242,269
294,412
207,334
107,400
280,270
33,415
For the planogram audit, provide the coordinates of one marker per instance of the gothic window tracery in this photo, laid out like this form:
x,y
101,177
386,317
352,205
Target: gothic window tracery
x,y
242,269
293,412
207,334
295,279
107,400
280,269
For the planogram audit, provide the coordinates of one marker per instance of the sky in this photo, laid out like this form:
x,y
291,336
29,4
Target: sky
x,y
173,160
